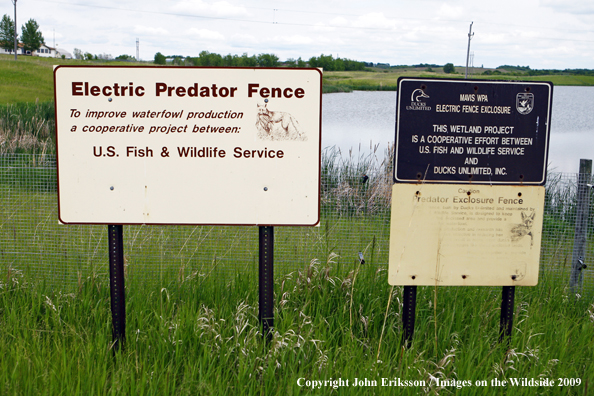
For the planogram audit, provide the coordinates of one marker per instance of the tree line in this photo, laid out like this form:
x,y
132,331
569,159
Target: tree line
x,y
205,58
526,70
31,37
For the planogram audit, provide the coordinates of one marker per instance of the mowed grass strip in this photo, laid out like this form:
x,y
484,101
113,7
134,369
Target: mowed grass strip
x,y
31,78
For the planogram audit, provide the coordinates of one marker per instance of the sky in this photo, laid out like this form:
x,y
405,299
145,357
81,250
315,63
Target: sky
x,y
542,34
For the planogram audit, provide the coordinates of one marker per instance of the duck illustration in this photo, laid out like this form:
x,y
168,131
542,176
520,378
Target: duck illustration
x,y
417,94
524,106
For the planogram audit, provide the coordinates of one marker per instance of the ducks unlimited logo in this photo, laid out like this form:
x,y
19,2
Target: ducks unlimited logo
x,y
416,101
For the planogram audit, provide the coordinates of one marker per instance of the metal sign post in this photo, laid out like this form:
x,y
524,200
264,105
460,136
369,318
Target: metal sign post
x,y
116,284
506,319
266,279
408,314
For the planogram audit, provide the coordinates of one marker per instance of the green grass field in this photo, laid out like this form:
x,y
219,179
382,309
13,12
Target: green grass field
x,y
200,336
388,80
192,308
30,79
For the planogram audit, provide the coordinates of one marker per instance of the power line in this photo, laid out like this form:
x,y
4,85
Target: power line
x,y
214,18
275,10
275,22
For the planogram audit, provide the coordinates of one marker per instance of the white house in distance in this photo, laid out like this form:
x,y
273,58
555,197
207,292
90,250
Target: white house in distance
x,y
20,50
48,52
45,51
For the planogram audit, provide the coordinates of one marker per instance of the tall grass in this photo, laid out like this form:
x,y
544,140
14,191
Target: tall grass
x,y
356,184
200,336
27,128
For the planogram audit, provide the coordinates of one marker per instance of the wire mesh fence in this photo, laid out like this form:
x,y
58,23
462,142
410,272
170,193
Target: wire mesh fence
x,y
355,217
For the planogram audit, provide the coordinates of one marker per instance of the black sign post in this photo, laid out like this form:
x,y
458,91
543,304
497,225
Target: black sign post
x,y
266,280
506,318
409,306
116,283
471,132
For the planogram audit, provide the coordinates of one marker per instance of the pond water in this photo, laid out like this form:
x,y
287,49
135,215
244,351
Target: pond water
x,y
361,120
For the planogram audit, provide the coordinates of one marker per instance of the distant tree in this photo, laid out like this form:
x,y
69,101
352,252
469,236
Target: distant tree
x,y
31,36
206,58
160,59
128,58
449,68
268,60
339,65
177,60
248,61
88,56
7,33
326,62
230,60
78,54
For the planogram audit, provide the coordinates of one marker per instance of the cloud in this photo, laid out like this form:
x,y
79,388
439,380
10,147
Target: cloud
x,y
244,39
50,35
205,34
375,20
322,27
150,31
339,21
293,40
450,12
578,7
216,9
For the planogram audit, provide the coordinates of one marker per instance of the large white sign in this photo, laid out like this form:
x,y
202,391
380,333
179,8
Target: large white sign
x,y
164,145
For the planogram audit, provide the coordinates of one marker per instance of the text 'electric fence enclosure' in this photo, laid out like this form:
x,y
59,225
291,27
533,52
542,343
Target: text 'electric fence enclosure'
x,y
165,145
469,173
488,132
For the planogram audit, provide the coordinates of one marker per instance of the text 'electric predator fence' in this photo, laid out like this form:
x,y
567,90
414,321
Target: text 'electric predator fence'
x,y
355,224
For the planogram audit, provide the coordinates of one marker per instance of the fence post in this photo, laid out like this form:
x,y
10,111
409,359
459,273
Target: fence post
x,y
581,226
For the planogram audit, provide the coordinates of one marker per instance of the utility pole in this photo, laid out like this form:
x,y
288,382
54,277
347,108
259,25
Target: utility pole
x,y
15,30
137,50
470,34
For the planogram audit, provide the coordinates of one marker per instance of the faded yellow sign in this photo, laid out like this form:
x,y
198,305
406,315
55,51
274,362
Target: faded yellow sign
x,y
465,235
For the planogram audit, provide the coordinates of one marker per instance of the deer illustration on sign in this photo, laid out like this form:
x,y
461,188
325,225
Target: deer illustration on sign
x,y
277,125
525,228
